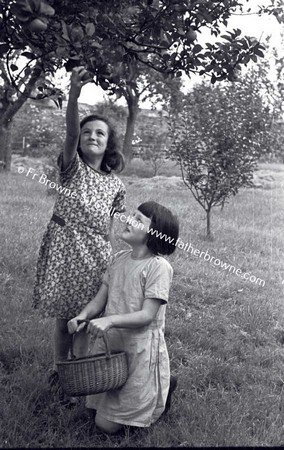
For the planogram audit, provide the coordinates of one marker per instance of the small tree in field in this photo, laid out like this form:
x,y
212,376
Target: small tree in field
x,y
154,158
217,140
154,144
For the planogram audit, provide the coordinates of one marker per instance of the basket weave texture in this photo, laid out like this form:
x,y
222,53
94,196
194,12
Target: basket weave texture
x,y
93,374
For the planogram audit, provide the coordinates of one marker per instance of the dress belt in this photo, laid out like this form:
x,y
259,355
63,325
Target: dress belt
x,y
58,220
62,223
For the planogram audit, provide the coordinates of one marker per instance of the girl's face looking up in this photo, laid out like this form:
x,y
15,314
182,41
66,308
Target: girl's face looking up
x,y
135,232
93,139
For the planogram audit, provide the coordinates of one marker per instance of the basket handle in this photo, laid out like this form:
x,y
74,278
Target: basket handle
x,y
105,337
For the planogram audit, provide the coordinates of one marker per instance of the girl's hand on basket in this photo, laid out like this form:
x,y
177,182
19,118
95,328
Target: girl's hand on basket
x,y
74,326
98,326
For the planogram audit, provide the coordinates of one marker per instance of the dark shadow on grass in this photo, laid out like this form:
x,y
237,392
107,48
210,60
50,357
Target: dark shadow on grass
x,y
13,358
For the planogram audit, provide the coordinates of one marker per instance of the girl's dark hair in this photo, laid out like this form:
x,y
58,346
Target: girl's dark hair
x,y
113,158
164,225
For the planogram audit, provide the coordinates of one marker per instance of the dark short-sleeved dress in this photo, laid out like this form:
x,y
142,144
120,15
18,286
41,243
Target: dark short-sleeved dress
x,y
141,401
75,248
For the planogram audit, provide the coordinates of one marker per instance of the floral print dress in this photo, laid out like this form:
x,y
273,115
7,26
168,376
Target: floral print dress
x,y
75,248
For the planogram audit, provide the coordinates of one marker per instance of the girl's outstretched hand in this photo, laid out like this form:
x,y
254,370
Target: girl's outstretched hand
x,y
80,76
97,327
74,325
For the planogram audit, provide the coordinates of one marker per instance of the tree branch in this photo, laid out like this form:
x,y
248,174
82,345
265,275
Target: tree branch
x,y
14,107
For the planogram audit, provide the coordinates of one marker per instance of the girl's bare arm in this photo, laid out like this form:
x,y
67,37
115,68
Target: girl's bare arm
x,y
138,318
135,319
72,114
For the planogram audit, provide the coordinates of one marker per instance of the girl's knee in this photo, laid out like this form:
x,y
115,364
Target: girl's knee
x,y
106,425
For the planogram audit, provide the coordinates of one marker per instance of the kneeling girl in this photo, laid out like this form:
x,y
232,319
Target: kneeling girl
x,y
133,296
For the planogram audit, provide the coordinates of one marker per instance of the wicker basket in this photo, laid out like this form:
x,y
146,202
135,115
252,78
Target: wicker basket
x,y
93,374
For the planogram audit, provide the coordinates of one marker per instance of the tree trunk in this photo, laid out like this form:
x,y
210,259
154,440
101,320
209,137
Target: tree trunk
x,y
5,147
9,111
208,223
133,110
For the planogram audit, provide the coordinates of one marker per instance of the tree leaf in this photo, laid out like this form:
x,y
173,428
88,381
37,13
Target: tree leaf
x,y
90,29
4,49
29,55
258,52
197,48
228,38
65,33
71,63
27,71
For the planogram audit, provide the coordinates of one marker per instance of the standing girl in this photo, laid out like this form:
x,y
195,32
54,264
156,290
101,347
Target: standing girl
x,y
76,248
134,295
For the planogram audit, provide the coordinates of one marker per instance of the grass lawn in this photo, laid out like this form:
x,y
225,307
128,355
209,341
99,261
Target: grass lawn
x,y
225,335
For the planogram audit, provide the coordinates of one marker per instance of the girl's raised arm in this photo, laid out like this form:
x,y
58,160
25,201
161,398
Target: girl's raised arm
x,y
72,115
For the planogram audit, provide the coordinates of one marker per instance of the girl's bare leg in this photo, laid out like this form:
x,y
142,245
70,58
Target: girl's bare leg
x,y
62,341
106,425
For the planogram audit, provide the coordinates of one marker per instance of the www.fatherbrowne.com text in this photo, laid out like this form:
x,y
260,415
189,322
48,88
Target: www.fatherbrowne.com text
x,y
186,247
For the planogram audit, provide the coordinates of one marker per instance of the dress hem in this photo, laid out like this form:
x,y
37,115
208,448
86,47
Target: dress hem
x,y
124,422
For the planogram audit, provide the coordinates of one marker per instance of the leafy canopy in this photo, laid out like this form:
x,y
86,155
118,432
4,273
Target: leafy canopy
x,y
111,36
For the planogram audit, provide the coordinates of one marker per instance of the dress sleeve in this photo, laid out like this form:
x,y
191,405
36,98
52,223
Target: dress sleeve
x,y
119,201
70,170
158,279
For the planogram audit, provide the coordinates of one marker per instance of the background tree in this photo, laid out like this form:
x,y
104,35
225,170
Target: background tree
x,y
39,127
144,84
218,138
273,91
113,38
12,97
154,143
21,72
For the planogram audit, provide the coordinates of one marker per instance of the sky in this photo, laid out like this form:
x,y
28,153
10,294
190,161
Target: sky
x,y
250,25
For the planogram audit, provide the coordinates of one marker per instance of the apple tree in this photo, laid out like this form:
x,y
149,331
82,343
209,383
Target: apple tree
x,y
114,40
275,97
153,142
218,138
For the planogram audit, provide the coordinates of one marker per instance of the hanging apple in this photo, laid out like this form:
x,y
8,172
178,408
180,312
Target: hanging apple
x,y
191,35
76,33
37,26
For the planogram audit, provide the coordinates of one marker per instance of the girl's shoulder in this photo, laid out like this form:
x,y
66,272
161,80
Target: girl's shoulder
x,y
72,167
159,265
120,255
117,180
156,279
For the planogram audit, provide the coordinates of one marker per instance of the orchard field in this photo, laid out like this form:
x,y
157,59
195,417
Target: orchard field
x,y
225,335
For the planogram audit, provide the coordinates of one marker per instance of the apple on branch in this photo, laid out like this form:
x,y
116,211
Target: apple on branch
x,y
37,25
191,35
